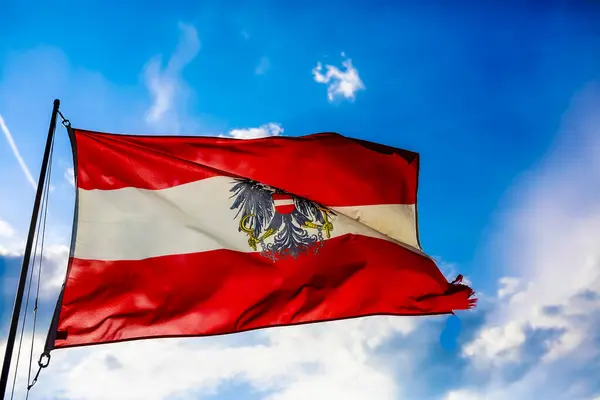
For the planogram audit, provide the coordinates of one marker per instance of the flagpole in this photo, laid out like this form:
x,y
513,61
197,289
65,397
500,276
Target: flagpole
x,y
12,333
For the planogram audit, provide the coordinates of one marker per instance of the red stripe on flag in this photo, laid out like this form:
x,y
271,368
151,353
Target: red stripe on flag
x,y
225,291
285,208
327,168
281,196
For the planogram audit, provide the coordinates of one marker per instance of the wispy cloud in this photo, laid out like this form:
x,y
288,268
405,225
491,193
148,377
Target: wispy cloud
x,y
270,129
17,154
341,83
70,176
165,83
263,66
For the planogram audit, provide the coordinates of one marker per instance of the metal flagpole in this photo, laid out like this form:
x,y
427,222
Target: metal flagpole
x,y
12,333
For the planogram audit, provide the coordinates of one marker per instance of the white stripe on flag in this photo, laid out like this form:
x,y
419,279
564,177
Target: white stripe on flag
x,y
284,202
134,224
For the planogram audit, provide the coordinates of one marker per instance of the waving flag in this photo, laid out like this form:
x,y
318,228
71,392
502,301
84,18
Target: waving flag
x,y
192,236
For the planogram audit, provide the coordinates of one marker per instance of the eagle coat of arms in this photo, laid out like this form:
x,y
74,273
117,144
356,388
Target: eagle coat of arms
x,y
281,223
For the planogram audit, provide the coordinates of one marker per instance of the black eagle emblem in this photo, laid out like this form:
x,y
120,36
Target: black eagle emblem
x,y
281,223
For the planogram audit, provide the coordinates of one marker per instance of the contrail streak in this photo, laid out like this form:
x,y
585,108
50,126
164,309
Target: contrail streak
x,y
15,150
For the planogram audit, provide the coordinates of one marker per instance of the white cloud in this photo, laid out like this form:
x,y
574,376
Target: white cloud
x,y
340,83
23,366
17,154
498,343
554,243
462,395
270,129
263,66
333,360
165,83
10,251
70,176
508,286
11,243
54,269
6,230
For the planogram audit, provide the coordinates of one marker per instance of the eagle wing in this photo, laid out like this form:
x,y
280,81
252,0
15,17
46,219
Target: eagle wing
x,y
310,209
252,198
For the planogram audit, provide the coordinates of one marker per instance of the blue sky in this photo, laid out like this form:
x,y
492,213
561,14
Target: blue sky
x,y
501,100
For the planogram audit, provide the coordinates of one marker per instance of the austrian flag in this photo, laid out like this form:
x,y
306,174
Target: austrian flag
x,y
192,236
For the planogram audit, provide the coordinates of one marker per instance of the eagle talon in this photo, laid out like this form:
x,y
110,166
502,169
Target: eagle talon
x,y
309,224
327,227
268,233
252,242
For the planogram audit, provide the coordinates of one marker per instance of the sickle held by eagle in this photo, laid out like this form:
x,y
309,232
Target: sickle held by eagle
x,y
253,240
